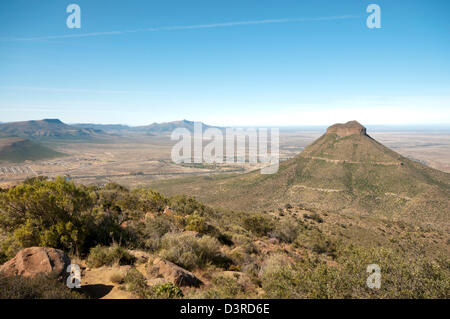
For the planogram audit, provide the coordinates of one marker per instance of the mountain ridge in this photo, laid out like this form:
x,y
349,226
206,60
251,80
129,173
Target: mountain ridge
x,y
46,128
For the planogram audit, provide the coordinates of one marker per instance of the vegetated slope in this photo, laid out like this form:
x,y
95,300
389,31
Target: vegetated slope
x,y
285,253
19,150
344,170
47,128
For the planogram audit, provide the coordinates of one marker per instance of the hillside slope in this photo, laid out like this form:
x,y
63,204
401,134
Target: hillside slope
x,y
19,150
345,170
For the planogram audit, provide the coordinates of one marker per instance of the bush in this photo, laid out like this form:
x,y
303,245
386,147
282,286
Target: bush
x,y
189,251
149,201
286,230
314,216
196,223
153,230
258,224
167,291
101,256
46,213
136,283
225,287
184,205
324,246
117,278
39,287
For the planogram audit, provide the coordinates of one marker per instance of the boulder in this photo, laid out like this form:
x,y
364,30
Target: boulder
x,y
32,261
142,257
175,274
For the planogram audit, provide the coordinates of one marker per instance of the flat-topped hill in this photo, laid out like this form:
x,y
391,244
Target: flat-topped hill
x,y
346,129
352,173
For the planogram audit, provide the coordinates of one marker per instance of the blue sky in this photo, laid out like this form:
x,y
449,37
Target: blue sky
x,y
244,62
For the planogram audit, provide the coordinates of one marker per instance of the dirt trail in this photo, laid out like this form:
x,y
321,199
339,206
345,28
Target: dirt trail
x,y
97,283
329,160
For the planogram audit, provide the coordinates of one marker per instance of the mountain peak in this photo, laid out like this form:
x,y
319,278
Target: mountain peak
x,y
346,129
54,121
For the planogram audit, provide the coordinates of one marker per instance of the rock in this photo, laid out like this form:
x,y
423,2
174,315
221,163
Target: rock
x,y
168,211
349,128
175,274
141,256
32,261
124,225
156,281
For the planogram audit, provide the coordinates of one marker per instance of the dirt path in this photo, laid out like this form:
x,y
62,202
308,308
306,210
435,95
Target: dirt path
x,y
97,283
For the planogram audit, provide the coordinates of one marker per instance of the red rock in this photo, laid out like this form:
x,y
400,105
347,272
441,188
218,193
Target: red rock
x,y
349,128
32,261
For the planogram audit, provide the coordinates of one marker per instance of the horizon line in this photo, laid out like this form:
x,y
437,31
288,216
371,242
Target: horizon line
x,y
234,126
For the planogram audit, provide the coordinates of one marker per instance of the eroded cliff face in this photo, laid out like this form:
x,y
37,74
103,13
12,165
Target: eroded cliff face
x,y
346,129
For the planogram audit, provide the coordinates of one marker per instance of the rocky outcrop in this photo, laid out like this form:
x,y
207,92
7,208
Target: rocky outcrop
x,y
349,128
32,261
175,274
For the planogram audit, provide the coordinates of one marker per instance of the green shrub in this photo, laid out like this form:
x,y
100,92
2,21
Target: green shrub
x,y
225,287
136,283
167,291
154,230
258,224
149,201
196,223
39,287
324,245
286,230
184,205
101,256
46,213
313,216
189,251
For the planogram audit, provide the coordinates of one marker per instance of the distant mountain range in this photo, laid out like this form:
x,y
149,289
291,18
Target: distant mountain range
x,y
47,128
152,129
55,129
168,127
21,141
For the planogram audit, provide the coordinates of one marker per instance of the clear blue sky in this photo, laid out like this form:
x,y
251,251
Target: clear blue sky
x,y
301,62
